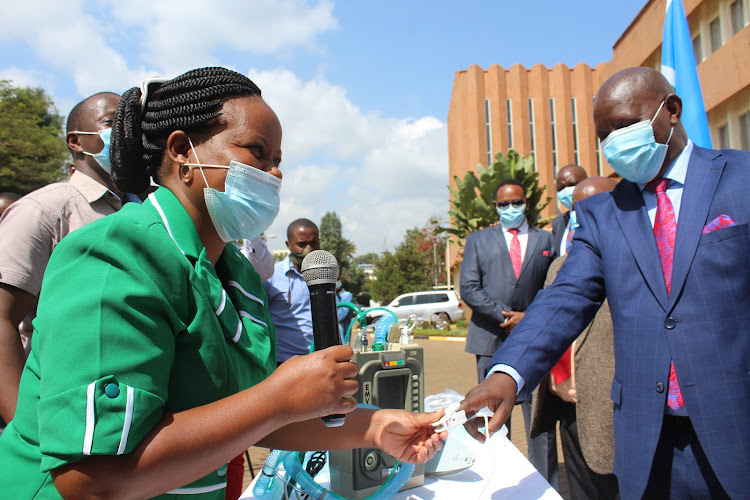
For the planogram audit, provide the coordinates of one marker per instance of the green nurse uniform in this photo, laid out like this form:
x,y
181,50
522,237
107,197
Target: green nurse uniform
x,y
133,320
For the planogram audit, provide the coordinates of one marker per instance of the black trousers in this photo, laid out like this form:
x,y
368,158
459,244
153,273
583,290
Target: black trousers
x,y
583,483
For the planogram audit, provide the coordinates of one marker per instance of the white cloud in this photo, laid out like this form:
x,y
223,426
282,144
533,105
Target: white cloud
x,y
180,34
381,175
67,38
172,35
20,77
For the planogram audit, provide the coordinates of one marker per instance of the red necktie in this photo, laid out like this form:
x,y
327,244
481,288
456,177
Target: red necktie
x,y
665,230
515,252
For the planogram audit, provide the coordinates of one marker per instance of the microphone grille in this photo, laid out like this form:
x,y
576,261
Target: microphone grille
x,y
320,267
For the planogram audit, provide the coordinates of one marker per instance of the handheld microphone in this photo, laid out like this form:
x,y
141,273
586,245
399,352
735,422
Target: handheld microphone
x,y
321,271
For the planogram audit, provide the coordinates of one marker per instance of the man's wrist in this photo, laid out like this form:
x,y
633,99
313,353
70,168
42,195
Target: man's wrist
x,y
510,371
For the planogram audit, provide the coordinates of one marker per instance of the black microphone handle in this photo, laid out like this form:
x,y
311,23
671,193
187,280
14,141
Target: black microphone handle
x,y
325,328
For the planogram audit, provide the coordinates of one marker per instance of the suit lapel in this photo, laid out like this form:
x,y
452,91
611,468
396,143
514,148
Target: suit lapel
x,y
531,242
697,195
634,222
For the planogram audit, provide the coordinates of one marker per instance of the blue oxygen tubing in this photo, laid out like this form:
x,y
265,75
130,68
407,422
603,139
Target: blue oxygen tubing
x,y
359,315
271,483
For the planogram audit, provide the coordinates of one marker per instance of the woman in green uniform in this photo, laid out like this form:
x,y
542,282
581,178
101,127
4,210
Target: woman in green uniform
x,y
153,359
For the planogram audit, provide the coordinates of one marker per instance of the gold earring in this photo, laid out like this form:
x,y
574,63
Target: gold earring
x,y
185,172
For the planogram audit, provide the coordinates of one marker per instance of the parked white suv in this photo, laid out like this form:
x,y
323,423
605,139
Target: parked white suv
x,y
441,307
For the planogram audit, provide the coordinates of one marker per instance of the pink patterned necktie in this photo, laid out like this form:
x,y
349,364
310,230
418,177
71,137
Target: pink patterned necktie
x,y
515,252
569,238
665,230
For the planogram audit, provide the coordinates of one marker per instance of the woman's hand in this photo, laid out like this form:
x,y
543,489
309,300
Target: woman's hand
x,y
317,384
409,437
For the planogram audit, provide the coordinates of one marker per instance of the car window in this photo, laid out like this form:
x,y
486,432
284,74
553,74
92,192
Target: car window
x,y
426,298
406,301
441,297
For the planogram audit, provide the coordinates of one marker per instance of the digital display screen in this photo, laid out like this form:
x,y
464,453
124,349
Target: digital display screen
x,y
391,390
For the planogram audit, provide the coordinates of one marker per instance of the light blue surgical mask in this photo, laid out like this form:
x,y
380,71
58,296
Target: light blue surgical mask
x,y
573,220
247,206
633,151
102,157
565,195
511,216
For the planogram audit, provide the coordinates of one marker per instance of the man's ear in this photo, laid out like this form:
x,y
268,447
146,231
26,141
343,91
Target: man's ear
x,y
674,107
178,147
71,138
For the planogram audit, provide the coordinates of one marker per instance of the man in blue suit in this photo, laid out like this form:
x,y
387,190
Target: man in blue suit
x,y
669,249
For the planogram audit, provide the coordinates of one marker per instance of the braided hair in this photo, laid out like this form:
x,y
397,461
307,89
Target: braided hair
x,y
190,102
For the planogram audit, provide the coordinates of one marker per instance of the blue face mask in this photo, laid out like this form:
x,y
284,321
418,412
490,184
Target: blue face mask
x,y
102,157
633,151
565,195
512,216
573,220
247,206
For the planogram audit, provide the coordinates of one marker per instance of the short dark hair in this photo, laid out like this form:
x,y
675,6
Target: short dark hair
x,y
510,182
77,114
303,223
190,102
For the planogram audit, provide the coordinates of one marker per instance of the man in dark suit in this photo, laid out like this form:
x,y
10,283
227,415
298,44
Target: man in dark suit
x,y
669,246
504,266
566,180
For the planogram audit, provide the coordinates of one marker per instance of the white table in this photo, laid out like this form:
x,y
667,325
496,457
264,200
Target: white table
x,y
500,472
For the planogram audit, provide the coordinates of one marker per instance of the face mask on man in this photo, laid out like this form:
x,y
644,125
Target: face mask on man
x,y
247,206
633,151
573,220
565,195
102,157
512,216
298,257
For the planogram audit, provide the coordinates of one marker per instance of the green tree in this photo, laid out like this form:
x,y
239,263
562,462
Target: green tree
x,y
332,240
473,203
33,152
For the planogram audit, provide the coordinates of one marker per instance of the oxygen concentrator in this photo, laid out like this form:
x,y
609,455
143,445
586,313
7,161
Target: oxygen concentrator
x,y
392,378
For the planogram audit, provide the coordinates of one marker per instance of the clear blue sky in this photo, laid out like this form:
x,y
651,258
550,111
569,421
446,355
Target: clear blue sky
x,y
362,88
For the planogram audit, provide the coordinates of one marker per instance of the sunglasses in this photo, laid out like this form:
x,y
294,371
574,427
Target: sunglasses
x,y
506,204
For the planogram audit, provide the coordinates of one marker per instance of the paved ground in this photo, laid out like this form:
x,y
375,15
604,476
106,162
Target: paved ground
x,y
447,366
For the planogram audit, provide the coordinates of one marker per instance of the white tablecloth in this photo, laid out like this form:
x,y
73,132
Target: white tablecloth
x,y
500,472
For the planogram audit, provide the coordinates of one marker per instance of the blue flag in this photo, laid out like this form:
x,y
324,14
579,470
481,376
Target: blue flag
x,y
678,67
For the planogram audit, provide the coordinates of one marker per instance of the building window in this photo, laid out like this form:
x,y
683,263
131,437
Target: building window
x,y
510,123
745,131
488,130
554,133
531,129
575,127
715,30
737,14
697,49
724,136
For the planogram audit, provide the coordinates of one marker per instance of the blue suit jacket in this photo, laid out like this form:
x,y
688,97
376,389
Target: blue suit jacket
x,y
703,325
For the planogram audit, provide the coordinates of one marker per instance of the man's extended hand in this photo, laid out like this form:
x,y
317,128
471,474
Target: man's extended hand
x,y
511,320
498,393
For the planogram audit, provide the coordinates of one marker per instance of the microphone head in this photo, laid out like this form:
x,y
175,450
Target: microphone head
x,y
320,267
